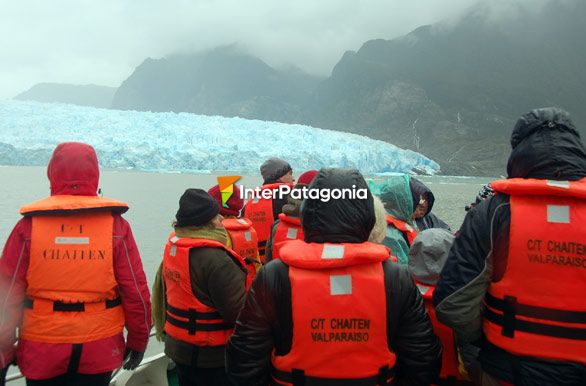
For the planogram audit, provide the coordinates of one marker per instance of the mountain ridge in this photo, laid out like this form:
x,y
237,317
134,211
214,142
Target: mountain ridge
x,y
82,95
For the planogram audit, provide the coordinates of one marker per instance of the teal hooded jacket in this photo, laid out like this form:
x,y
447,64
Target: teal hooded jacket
x,y
395,193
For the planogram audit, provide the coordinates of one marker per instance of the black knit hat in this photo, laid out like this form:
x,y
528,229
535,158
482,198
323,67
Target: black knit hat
x,y
196,208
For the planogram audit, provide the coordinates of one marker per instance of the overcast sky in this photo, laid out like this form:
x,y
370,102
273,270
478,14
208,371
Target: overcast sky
x,y
102,41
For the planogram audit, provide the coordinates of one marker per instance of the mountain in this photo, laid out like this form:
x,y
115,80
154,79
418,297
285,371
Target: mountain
x,y
82,95
223,81
453,91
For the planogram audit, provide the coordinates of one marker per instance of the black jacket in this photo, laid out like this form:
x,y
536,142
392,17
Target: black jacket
x,y
545,146
265,322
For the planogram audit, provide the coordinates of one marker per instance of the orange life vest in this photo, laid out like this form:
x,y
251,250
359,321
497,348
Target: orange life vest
x,y
187,318
537,309
450,364
338,299
72,293
244,241
288,228
260,211
407,229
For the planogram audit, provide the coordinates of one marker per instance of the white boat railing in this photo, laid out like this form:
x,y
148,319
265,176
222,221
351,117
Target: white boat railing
x,y
144,362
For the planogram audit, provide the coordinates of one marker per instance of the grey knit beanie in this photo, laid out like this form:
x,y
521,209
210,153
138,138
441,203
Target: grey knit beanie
x,y
273,169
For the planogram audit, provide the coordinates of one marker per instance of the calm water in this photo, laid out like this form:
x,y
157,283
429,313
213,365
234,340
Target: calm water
x,y
154,197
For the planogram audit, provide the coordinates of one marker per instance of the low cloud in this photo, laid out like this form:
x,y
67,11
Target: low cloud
x,y
101,42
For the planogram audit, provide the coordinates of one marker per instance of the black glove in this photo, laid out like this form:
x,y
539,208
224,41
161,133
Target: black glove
x,y
3,375
132,359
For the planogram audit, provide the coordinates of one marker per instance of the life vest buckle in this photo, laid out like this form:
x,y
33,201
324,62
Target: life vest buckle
x,y
509,316
192,324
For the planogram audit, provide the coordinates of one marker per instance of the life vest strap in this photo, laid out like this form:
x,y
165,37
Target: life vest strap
x,y
262,245
510,325
297,377
192,325
536,312
73,307
249,261
193,314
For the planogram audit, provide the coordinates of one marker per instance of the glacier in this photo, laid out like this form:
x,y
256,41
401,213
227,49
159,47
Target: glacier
x,y
184,142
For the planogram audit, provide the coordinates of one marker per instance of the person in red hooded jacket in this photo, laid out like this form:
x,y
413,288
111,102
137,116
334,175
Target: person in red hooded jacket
x,y
71,279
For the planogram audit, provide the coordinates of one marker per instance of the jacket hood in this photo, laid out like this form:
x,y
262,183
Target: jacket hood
x,y
396,195
419,189
344,220
546,145
73,170
428,254
293,205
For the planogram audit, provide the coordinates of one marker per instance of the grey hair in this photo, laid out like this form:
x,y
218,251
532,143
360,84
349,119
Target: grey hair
x,y
379,231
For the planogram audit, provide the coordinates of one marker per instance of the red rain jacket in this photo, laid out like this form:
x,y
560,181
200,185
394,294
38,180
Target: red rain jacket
x,y
73,169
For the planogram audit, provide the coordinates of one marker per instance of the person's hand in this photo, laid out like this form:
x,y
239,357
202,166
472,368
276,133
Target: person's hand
x,y
484,193
132,359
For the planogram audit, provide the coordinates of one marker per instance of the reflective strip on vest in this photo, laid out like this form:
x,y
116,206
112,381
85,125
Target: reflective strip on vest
x,y
537,309
341,285
559,184
333,252
72,240
292,233
71,290
339,313
558,214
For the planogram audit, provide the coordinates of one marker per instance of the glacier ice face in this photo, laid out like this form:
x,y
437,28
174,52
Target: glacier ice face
x,y
166,142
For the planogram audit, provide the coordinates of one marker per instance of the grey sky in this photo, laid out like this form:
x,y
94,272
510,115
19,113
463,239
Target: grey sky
x,y
102,41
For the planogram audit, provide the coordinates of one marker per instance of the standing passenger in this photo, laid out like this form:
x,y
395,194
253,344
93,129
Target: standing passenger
x,y
334,309
71,270
396,195
427,257
205,286
263,212
422,215
514,280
